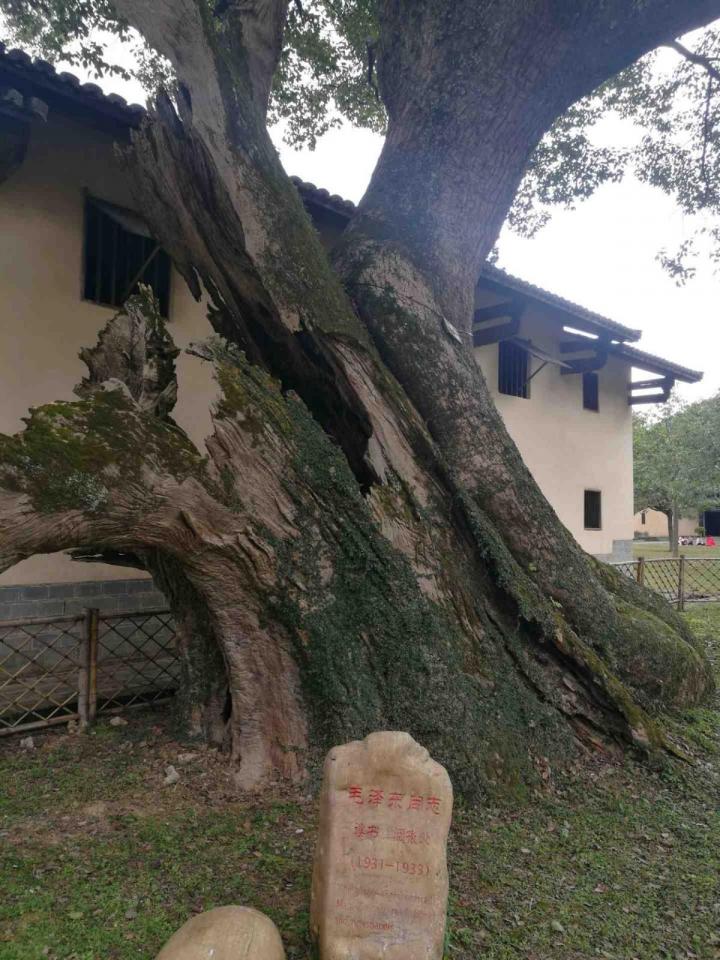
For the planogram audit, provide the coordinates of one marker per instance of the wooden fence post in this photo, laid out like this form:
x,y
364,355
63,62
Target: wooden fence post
x,y
87,678
641,571
681,582
84,675
93,621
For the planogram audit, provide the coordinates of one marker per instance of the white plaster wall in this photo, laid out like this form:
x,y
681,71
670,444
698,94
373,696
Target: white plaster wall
x,y
569,449
43,320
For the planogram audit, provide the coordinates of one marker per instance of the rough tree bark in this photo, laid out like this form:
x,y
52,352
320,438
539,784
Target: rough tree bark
x,y
364,547
675,530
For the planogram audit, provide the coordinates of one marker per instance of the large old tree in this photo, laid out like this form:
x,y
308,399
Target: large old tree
x,y
364,547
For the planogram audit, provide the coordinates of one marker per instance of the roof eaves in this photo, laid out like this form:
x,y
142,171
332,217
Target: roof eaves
x,y
321,197
13,103
345,208
502,278
653,364
43,75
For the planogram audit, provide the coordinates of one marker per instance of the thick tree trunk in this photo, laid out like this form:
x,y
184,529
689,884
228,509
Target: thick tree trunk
x,y
674,523
364,547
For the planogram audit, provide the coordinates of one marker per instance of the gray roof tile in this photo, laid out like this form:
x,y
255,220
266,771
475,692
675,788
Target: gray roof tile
x,y
17,66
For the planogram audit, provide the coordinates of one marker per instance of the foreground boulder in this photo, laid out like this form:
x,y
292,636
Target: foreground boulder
x,y
225,933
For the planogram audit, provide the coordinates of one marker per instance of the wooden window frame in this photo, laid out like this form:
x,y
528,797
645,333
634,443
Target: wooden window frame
x,y
591,377
520,386
599,509
153,266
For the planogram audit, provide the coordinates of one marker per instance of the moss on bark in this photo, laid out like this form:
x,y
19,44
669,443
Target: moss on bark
x,y
374,651
72,455
664,671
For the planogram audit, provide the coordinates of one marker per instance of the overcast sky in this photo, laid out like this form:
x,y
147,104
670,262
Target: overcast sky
x,y
601,255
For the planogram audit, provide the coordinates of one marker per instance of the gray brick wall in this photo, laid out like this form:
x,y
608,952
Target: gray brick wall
x,y
57,599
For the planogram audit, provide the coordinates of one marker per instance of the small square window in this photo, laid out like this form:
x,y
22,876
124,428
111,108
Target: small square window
x,y
593,510
591,393
119,254
513,370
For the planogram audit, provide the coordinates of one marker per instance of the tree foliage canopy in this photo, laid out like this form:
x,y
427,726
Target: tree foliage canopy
x,y
677,457
657,120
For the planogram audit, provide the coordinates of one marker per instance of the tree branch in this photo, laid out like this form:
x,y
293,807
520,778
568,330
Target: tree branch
x,y
706,133
173,27
261,24
695,58
251,34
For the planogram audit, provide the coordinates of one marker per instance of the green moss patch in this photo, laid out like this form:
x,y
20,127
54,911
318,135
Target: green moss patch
x,y
662,669
72,455
376,653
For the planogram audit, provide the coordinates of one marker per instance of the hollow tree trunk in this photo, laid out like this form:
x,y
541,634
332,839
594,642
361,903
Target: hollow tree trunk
x,y
364,547
205,699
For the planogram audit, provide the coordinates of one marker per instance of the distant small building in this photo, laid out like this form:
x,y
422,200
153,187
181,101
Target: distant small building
x,y
654,525
72,249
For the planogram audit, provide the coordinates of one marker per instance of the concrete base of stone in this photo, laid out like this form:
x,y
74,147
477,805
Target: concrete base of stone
x,y
622,552
59,599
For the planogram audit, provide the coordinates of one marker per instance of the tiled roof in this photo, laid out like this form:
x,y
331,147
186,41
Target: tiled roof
x,y
618,330
317,195
17,68
653,364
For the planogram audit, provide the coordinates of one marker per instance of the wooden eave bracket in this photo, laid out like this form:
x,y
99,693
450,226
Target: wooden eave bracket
x,y
485,328
596,348
666,383
587,364
14,104
16,114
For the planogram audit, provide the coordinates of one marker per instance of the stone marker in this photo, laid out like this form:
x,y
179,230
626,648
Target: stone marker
x,y
225,933
380,881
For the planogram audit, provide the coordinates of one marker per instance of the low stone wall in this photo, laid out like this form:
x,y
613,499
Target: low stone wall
x,y
60,599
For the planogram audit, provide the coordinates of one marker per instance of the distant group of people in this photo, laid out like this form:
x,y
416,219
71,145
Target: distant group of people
x,y
697,541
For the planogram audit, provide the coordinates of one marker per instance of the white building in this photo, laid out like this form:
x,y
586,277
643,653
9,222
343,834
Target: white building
x,y
71,247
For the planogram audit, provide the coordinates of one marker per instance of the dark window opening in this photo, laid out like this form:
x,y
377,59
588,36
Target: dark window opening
x,y
120,254
643,518
591,398
513,370
593,515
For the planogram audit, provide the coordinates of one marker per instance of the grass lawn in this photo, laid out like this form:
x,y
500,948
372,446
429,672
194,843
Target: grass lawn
x,y
653,550
100,861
